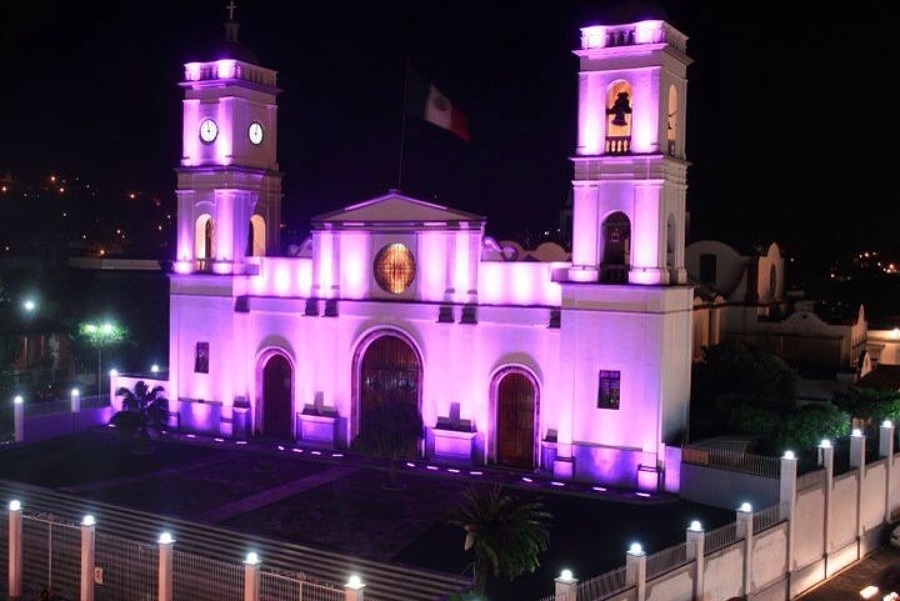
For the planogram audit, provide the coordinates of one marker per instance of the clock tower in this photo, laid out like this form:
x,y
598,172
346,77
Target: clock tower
x,y
229,185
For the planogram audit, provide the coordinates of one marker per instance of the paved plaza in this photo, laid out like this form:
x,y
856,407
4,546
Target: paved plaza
x,y
338,501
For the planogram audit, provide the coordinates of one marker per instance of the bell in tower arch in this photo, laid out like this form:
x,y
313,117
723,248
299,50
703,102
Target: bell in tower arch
x,y
620,108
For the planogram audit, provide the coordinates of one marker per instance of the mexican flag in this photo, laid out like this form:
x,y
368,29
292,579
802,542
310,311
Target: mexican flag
x,y
424,99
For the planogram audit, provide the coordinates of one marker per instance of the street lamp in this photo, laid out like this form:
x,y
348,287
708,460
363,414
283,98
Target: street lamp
x,y
29,306
100,335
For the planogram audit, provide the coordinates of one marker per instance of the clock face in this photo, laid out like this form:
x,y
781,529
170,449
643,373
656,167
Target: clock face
x,y
208,130
255,132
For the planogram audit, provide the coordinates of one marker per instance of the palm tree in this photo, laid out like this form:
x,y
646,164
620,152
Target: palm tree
x,y
507,534
145,411
391,429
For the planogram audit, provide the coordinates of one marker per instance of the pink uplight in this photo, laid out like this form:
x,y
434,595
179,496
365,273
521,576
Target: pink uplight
x,y
225,68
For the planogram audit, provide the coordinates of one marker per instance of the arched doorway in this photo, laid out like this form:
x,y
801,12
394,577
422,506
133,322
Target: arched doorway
x,y
276,398
389,369
515,421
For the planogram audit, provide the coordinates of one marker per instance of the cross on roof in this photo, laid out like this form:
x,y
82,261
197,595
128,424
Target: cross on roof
x,y
230,8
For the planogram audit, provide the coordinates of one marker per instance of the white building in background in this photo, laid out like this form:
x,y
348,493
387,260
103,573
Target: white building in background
x,y
579,367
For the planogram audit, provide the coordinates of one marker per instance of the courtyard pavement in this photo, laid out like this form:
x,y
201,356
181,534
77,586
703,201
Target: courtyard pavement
x,y
338,501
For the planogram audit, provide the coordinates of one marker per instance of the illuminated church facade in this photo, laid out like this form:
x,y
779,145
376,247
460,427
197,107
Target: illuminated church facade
x,y
577,367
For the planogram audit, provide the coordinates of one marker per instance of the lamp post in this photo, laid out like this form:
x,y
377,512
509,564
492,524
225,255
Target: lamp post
x,y
100,335
29,306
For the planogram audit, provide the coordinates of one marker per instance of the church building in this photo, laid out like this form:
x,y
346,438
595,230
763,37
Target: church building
x,y
579,368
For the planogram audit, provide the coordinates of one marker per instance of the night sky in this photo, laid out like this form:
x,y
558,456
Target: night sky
x,y
789,114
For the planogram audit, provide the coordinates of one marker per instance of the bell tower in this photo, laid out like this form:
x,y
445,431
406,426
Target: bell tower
x,y
229,186
630,171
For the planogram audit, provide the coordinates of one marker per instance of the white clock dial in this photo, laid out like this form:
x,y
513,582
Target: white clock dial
x,y
255,132
208,130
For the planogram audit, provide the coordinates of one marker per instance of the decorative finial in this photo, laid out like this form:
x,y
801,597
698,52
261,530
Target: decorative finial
x,y
231,27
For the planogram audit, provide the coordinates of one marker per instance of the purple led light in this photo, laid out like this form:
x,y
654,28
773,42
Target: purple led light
x,y
241,442
410,464
432,468
598,488
527,479
642,494
555,483
297,450
476,473
280,447
317,452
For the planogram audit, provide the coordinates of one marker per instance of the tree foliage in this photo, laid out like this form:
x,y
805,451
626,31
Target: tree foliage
x,y
145,412
391,429
870,405
506,534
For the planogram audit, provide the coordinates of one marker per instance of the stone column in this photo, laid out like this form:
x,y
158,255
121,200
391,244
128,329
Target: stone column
x,y
826,460
745,532
636,571
566,587
858,460
15,550
165,574
886,450
251,577
696,544
76,400
788,499
87,558
19,417
353,590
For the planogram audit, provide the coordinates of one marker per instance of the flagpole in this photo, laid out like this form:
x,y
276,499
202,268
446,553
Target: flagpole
x,y
403,126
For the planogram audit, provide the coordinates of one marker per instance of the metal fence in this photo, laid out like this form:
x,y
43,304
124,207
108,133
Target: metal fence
x,y
748,463
275,586
720,537
603,586
666,560
125,569
51,557
768,517
202,579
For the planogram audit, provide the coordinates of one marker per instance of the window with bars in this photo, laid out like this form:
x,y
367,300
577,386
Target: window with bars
x,y
608,391
201,358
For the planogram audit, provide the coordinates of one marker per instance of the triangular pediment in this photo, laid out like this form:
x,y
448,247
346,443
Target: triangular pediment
x,y
395,209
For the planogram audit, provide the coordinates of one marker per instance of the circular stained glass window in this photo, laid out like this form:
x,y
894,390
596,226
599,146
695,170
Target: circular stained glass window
x,y
395,268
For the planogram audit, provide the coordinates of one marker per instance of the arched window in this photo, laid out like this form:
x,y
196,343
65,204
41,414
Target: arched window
x,y
204,239
616,248
618,118
256,243
672,127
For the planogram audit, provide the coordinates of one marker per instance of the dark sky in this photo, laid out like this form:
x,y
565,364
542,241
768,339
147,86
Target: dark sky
x,y
788,110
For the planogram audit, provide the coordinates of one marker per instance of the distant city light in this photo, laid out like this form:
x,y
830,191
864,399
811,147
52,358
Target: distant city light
x,y
154,368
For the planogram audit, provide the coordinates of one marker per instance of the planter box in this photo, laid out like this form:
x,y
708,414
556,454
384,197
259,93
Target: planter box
x,y
317,430
454,446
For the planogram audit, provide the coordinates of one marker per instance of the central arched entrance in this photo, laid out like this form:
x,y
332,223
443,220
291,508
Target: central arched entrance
x,y
390,370
515,421
276,398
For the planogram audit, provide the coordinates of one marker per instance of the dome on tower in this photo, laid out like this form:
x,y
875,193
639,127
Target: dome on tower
x,y
231,47
234,50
